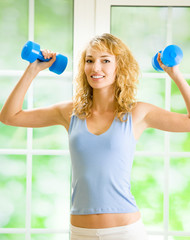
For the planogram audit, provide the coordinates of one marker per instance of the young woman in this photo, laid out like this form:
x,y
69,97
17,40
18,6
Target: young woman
x,y
104,122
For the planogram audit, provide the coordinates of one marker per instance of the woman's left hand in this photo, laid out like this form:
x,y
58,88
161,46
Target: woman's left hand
x,y
171,71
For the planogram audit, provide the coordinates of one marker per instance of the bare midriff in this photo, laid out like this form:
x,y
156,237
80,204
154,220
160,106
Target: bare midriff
x,y
105,220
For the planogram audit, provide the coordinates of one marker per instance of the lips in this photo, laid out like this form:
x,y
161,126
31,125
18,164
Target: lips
x,y
96,77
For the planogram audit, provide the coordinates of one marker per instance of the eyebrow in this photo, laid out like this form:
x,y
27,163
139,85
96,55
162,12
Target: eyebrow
x,y
101,56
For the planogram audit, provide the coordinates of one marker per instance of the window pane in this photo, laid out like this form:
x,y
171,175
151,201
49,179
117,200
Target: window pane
x,y
48,91
10,137
151,90
143,29
179,194
50,236
181,33
179,141
12,236
53,26
179,238
51,192
151,140
13,28
178,103
147,188
12,191
54,137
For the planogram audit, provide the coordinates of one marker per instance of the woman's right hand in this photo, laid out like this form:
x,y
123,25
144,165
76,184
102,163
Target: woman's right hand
x,y
39,65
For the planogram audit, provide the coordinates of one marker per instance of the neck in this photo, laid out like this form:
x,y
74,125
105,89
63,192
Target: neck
x,y
103,100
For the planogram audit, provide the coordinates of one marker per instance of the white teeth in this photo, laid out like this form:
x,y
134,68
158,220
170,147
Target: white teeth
x,y
97,76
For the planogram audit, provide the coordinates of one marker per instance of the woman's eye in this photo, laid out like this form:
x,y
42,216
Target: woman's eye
x,y
106,61
88,61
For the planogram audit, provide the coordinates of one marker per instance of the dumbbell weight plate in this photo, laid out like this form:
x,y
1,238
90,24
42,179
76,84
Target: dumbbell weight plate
x,y
30,51
171,55
155,63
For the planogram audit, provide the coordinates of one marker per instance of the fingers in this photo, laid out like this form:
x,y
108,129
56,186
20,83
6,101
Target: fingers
x,y
41,65
159,58
160,61
53,58
47,54
169,70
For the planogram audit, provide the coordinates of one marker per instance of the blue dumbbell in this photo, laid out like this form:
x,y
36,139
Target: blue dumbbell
x,y
31,51
170,56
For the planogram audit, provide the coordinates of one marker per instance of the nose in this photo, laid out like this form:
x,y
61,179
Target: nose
x,y
96,66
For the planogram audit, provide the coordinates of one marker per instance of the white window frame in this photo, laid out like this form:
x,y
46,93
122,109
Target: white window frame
x,y
103,8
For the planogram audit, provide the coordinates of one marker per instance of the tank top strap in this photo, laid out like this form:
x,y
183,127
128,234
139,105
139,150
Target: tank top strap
x,y
71,122
75,122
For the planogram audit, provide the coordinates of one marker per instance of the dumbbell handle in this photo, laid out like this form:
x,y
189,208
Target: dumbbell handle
x,y
31,51
41,57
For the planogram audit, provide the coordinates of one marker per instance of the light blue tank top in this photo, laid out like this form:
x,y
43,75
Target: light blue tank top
x,y
101,168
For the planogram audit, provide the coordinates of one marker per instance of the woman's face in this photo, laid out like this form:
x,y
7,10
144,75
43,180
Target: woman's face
x,y
100,68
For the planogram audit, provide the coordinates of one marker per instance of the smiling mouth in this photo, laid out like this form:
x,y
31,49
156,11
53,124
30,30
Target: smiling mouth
x,y
97,77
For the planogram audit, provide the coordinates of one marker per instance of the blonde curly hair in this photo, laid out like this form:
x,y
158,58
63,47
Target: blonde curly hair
x,y
127,73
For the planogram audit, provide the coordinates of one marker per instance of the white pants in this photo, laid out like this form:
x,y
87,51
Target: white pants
x,y
134,231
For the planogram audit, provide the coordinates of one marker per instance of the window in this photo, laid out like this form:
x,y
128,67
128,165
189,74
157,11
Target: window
x,y
35,163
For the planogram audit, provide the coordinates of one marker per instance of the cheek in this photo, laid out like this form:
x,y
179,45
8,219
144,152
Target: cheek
x,y
112,70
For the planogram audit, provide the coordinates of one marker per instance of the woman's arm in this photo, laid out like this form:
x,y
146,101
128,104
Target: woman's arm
x,y
12,113
178,78
159,118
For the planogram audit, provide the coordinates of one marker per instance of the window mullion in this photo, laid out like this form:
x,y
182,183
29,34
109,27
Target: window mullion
x,y
167,134
29,134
